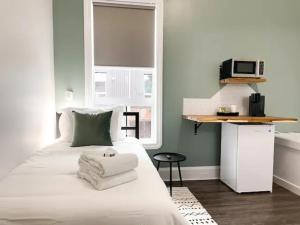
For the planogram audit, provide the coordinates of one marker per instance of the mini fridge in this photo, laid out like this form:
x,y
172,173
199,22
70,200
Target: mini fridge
x,y
247,153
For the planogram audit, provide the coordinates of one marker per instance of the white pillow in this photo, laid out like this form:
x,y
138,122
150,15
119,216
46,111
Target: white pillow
x,y
66,121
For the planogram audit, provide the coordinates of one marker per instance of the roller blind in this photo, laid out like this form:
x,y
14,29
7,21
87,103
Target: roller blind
x,y
123,36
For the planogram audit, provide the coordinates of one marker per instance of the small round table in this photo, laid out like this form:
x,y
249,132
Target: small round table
x,y
170,157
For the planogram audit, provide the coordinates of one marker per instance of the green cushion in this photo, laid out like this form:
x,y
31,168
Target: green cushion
x,y
92,129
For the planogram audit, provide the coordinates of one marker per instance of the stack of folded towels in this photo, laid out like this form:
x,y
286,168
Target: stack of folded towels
x,y
106,169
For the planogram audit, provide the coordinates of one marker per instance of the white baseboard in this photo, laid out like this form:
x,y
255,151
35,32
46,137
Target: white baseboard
x,y
213,173
191,173
287,185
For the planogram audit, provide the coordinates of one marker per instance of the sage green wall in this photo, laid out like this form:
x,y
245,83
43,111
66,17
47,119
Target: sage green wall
x,y
198,35
68,50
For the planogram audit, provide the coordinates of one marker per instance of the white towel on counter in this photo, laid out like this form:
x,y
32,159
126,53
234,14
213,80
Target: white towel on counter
x,y
108,166
102,183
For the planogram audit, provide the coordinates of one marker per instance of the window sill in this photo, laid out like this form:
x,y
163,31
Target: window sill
x,y
151,144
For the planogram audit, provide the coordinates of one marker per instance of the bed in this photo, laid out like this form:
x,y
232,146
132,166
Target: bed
x,y
45,190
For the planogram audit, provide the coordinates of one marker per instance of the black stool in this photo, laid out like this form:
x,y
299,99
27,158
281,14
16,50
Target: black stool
x,y
170,157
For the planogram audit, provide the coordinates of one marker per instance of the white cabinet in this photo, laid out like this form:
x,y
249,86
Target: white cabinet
x,y
247,152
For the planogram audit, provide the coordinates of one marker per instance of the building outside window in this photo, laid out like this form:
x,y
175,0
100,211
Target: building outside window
x,y
131,87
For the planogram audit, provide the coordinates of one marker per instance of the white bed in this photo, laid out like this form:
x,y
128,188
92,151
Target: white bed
x,y
45,190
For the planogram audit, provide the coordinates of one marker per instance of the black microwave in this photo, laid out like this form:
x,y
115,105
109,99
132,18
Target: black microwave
x,y
241,68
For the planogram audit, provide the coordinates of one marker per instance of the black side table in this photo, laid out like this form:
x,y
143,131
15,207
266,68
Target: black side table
x,y
170,157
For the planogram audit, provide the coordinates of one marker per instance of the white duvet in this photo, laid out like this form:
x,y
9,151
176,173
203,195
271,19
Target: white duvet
x,y
45,190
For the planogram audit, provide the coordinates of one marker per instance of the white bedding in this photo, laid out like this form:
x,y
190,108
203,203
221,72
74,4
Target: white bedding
x,y
45,190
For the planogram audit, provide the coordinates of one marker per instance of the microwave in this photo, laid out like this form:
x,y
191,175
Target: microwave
x,y
241,68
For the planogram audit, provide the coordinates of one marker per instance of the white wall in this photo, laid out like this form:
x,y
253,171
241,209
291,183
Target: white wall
x,y
26,79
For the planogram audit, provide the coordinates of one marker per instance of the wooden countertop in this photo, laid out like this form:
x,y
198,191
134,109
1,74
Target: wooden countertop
x,y
237,119
243,80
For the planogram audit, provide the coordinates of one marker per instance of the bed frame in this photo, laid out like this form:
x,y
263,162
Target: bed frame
x,y
136,128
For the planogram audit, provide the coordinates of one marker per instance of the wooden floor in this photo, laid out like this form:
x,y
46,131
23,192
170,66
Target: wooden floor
x,y
229,208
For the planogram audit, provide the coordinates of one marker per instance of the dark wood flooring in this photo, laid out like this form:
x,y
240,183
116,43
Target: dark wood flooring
x,y
229,208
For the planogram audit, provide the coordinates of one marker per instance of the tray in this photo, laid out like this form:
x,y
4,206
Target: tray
x,y
228,113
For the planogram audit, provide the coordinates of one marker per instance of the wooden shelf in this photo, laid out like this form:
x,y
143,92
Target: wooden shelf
x,y
243,80
237,119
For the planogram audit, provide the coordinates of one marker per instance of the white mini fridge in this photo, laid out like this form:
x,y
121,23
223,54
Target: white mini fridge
x,y
247,152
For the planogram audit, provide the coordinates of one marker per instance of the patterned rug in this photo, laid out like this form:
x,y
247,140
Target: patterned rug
x,y
190,208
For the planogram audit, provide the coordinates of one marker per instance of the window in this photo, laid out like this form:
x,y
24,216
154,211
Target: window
x,y
131,87
148,85
123,59
100,84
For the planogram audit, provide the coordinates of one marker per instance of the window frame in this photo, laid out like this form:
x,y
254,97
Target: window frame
x,y
158,65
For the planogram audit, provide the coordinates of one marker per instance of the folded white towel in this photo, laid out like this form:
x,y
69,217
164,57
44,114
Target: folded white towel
x,y
105,152
83,164
100,183
109,166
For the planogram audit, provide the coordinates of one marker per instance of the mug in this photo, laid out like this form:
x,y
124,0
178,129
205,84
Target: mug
x,y
233,108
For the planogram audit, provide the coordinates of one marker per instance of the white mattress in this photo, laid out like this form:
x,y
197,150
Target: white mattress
x,y
45,190
291,140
